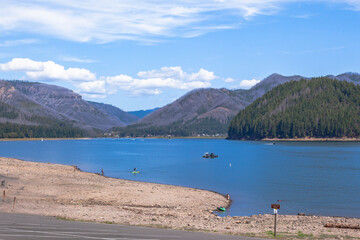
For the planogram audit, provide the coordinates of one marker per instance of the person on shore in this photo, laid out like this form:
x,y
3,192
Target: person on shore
x,y
228,197
102,172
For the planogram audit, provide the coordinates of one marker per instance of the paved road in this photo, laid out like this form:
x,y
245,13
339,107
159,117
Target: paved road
x,y
25,227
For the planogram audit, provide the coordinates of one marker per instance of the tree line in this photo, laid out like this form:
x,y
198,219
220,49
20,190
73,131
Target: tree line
x,y
11,130
206,126
320,108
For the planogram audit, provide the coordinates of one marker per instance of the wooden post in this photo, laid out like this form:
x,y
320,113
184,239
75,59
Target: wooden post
x,y
276,207
14,203
4,196
275,225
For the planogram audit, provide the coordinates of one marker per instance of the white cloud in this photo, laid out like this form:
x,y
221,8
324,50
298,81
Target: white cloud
x,y
164,72
202,75
47,70
141,20
166,77
142,92
229,80
22,65
248,83
94,87
177,73
146,83
119,80
53,71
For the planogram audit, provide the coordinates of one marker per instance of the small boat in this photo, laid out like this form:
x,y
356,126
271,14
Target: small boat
x,y
222,209
134,172
209,155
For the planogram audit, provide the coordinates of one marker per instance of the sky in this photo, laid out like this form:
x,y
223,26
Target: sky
x,y
137,54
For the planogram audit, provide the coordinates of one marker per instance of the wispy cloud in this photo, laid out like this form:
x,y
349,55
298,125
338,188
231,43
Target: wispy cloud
x,y
151,82
311,51
303,16
78,60
139,20
13,43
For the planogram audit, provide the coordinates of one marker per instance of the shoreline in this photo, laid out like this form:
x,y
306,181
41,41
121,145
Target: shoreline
x,y
311,139
40,139
205,137
68,193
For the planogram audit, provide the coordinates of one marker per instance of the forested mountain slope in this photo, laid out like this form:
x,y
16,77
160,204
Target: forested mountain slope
x,y
320,108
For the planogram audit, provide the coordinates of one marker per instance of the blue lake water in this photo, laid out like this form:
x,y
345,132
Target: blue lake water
x,y
321,178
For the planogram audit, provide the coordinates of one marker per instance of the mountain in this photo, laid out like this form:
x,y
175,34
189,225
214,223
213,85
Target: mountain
x,y
208,111
142,113
37,104
320,108
121,117
350,77
201,111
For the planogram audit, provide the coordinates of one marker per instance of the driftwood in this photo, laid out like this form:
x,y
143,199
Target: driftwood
x,y
341,225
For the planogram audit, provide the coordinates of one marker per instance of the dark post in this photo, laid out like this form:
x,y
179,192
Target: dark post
x,y
4,196
275,207
275,226
14,203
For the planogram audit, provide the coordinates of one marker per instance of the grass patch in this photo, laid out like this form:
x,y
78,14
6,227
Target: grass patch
x,y
249,235
278,234
65,219
303,235
326,236
108,222
350,237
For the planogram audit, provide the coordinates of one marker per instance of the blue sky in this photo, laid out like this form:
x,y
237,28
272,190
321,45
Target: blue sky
x,y
138,54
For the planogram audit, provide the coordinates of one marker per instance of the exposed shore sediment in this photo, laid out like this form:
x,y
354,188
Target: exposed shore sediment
x,y
65,192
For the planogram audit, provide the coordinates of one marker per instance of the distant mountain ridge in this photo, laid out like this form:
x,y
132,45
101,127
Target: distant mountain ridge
x,y
209,111
142,113
43,104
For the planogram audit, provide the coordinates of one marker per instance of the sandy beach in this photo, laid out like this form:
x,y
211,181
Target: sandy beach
x,y
68,193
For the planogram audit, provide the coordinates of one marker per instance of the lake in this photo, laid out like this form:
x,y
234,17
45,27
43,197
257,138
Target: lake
x,y
320,178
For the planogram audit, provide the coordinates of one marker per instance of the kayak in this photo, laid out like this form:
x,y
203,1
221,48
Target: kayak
x,y
135,172
221,208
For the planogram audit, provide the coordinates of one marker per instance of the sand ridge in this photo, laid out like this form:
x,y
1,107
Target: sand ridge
x,y
66,192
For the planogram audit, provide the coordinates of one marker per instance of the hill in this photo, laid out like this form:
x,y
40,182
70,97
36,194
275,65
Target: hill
x,y
39,108
119,116
208,111
201,111
319,108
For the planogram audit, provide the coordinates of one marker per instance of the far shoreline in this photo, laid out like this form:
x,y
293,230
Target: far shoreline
x,y
197,137
310,139
41,139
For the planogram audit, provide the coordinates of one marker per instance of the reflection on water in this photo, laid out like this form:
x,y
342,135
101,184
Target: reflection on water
x,y
315,178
